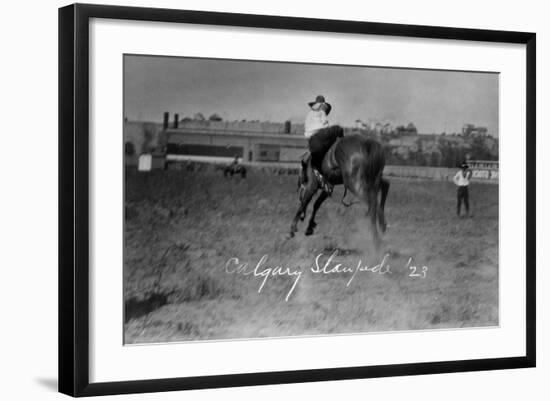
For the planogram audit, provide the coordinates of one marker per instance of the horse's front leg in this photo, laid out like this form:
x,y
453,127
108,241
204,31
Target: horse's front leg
x,y
311,225
384,188
306,198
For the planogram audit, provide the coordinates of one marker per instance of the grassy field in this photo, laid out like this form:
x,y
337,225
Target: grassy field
x,y
182,228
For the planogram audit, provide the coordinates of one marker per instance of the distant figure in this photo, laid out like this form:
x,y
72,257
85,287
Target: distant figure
x,y
320,133
235,168
235,162
462,180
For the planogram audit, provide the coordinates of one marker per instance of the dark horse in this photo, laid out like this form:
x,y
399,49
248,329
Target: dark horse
x,y
358,163
234,169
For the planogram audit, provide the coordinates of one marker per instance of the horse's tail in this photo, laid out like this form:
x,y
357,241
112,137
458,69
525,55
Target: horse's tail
x,y
366,170
376,161
364,187
365,179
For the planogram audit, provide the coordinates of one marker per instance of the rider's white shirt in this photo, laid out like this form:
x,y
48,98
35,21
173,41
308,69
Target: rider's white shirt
x,y
316,119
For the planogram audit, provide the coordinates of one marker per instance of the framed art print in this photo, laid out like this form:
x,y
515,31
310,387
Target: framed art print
x,y
238,207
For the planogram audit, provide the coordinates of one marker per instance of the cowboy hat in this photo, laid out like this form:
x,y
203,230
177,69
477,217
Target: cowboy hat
x,y
321,99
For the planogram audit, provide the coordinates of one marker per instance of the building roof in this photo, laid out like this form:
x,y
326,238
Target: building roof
x,y
229,133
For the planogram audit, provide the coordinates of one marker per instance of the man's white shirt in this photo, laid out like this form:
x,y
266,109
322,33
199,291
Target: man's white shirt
x,y
460,180
316,119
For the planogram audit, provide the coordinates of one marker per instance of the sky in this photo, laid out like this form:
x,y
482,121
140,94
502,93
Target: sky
x,y
434,101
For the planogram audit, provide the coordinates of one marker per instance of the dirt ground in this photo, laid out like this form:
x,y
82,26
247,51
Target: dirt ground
x,y
187,233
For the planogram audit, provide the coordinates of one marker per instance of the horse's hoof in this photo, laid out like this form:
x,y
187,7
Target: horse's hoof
x,y
309,231
302,217
291,234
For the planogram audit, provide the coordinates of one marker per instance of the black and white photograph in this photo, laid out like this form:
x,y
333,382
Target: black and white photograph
x,y
272,199
275,200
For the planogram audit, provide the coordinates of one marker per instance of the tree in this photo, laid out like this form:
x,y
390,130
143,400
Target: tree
x,y
419,158
129,148
199,117
400,130
411,129
479,149
215,117
435,159
148,138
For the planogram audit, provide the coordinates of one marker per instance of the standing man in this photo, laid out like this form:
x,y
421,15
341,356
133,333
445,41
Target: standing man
x,y
321,135
462,180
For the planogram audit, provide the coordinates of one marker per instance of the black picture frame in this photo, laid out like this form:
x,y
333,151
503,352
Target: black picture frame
x,y
74,201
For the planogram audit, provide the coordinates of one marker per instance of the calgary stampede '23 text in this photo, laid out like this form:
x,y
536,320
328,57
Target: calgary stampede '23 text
x,y
263,270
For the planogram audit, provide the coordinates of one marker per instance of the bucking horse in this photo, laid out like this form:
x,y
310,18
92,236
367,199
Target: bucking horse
x,y
357,163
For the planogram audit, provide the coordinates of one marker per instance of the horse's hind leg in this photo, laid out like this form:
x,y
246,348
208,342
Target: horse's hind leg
x,y
311,225
373,213
308,194
384,188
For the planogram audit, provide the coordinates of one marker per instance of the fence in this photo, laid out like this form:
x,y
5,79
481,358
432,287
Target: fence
x,y
195,163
